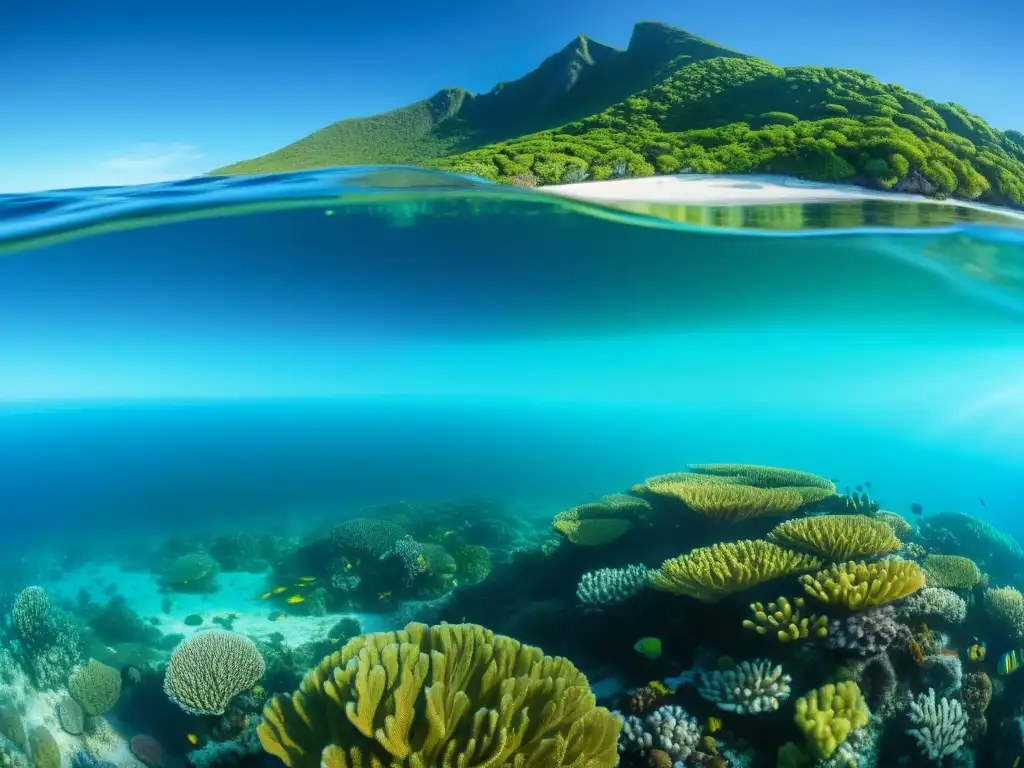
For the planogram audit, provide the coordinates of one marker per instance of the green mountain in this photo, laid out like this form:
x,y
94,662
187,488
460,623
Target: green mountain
x,y
583,78
672,102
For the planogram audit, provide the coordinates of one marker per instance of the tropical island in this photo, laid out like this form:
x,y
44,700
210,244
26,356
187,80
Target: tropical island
x,y
670,103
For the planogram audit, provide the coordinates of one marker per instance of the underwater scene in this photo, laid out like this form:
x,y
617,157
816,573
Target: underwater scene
x,y
384,467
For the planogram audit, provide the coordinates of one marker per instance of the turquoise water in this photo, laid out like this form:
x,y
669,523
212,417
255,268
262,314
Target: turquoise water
x,y
269,356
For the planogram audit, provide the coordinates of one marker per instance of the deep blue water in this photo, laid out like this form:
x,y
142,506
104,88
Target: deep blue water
x,y
215,354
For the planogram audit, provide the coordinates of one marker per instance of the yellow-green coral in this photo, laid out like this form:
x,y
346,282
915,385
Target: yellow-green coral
x,y
951,572
786,621
446,696
862,585
728,502
711,573
829,714
601,522
837,537
1006,605
899,524
765,477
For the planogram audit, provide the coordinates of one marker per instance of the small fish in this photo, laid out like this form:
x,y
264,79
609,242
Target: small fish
x,y
295,599
307,579
383,595
714,724
982,501
916,509
348,566
277,616
1009,662
649,647
977,651
949,652
265,595
258,690
192,738
867,484
112,650
859,488
278,590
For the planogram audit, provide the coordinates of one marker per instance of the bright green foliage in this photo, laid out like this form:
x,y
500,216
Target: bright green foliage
x,y
735,115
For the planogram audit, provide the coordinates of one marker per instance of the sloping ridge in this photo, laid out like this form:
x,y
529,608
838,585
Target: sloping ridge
x,y
583,78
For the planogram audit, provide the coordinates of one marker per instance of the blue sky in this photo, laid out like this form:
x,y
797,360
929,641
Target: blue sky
x,y
113,92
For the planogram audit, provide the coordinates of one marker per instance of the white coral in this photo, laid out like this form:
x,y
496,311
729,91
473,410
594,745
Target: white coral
x,y
752,687
608,586
942,725
934,601
667,728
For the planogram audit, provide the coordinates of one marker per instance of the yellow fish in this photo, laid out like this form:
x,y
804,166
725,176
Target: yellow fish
x,y
296,599
383,595
278,590
192,738
307,579
649,647
714,724
265,595
258,690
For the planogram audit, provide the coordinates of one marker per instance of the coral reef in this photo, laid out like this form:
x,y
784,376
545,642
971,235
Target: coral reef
x,y
1006,606
712,573
861,585
207,670
49,643
489,699
752,687
730,503
867,633
669,729
784,619
934,602
837,537
764,477
940,725
951,571
608,586
829,714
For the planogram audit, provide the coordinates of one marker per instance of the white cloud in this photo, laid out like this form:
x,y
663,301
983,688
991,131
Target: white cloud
x,y
142,164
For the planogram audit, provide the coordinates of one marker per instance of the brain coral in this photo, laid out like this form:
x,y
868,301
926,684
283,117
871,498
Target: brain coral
x,y
444,696
207,670
96,687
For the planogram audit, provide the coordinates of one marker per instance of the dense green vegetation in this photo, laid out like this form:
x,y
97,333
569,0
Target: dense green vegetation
x,y
583,78
730,115
672,102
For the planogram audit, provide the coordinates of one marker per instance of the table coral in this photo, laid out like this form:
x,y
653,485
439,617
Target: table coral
x,y
837,537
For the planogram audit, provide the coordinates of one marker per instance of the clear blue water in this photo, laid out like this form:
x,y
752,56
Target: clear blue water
x,y
272,355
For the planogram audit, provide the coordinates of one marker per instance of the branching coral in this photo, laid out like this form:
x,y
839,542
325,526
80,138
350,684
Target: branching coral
x,y
727,502
868,632
749,688
862,585
1006,606
951,571
934,601
829,714
668,728
608,586
941,725
785,620
764,477
445,696
837,537
711,573
207,670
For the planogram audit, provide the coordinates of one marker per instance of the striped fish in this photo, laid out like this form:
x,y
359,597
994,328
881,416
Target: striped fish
x,y
1009,662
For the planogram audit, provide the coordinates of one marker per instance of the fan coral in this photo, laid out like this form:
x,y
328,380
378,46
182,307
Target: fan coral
x,y
934,601
868,632
207,670
785,620
941,725
951,571
730,503
837,537
829,714
367,535
441,695
96,687
711,573
861,585
764,477
608,586
1006,605
749,688
668,728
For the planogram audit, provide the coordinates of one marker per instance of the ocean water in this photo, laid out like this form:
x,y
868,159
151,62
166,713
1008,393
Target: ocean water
x,y
273,355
